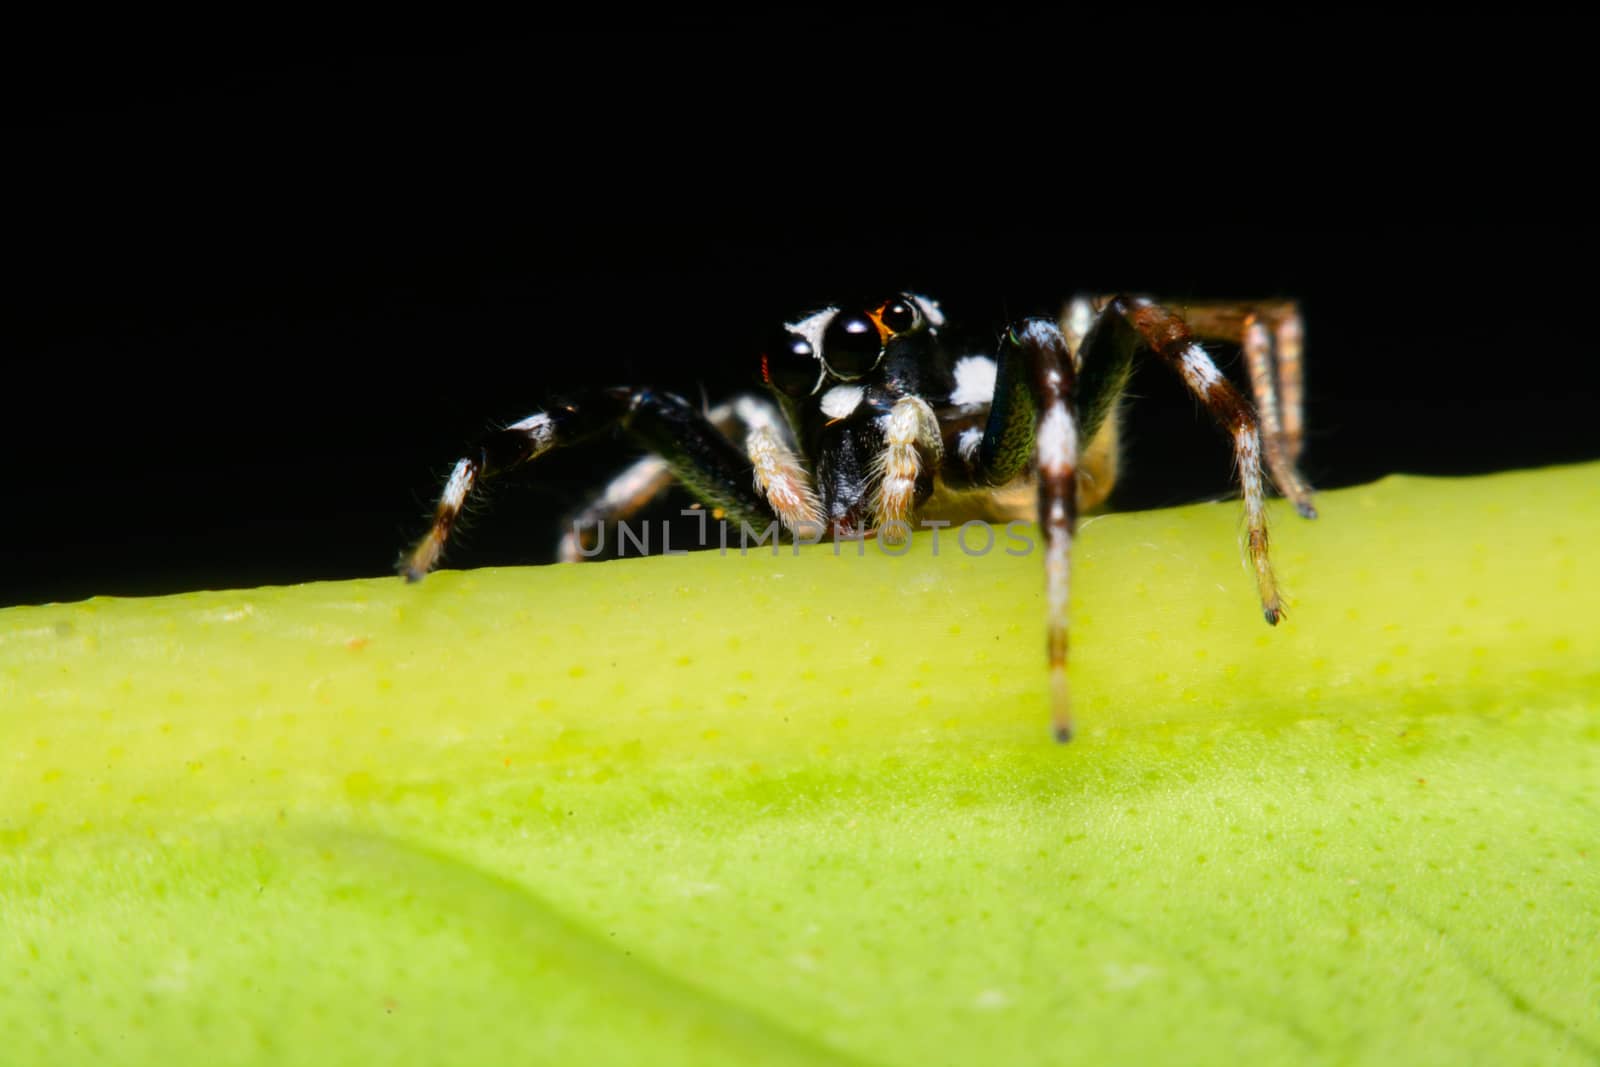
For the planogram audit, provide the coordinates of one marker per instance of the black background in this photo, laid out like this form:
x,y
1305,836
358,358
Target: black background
x,y
267,283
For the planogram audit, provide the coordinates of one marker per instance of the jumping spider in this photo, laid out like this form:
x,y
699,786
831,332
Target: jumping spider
x,y
873,421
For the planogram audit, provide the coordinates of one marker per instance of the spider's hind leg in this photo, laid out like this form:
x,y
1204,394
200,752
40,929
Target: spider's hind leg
x,y
1271,336
1129,322
1101,456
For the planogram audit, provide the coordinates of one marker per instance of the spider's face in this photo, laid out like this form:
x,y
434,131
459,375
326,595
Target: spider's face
x,y
851,347
837,374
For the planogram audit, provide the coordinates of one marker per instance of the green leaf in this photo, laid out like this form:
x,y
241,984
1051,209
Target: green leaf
x,y
804,809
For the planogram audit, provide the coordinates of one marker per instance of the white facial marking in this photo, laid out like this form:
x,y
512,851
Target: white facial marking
x,y
841,400
812,327
930,309
1057,441
974,382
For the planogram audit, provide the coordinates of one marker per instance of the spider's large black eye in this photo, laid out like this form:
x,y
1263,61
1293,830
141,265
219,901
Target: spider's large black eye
x,y
789,364
852,345
899,316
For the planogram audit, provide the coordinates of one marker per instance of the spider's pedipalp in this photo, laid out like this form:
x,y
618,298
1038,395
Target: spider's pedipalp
x,y
911,435
784,482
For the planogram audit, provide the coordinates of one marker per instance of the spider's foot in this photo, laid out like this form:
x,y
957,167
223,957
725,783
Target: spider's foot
x,y
893,532
422,559
425,556
1060,707
579,545
1306,509
1266,582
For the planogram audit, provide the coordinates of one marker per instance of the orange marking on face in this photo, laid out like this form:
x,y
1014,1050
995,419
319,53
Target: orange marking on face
x,y
876,315
766,375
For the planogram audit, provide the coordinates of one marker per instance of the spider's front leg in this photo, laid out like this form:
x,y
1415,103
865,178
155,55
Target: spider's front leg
x,y
751,422
706,461
1032,420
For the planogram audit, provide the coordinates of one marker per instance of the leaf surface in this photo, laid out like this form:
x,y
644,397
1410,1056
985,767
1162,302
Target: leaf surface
x,y
804,809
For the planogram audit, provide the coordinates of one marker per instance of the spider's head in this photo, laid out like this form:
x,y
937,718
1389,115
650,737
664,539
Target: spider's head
x,y
837,373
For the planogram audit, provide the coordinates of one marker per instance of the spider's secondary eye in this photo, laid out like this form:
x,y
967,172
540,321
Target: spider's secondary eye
x,y
852,345
898,315
789,364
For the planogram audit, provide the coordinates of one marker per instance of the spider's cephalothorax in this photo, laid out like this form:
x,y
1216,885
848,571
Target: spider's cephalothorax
x,y
851,385
879,421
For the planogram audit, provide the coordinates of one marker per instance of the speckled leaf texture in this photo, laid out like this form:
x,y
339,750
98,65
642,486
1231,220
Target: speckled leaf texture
x,y
804,809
